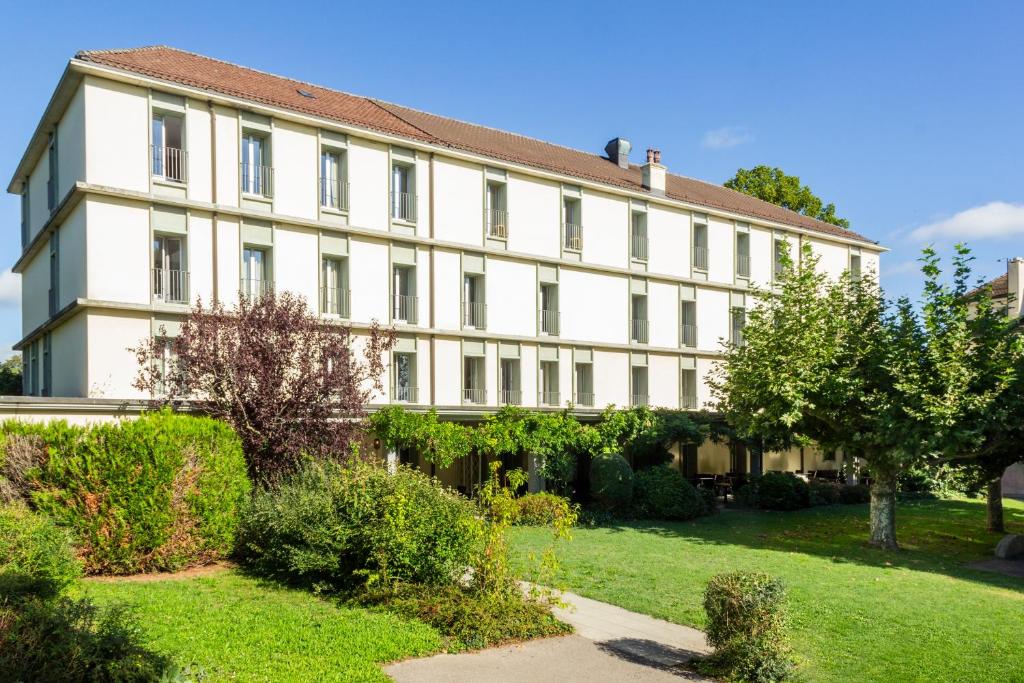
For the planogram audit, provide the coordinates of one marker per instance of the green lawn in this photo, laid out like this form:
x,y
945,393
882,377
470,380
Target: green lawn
x,y
242,629
859,614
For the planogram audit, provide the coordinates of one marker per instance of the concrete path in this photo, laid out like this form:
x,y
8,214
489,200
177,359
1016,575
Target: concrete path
x,y
611,644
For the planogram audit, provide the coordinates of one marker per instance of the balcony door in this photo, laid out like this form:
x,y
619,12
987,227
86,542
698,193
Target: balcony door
x,y
253,162
254,271
169,268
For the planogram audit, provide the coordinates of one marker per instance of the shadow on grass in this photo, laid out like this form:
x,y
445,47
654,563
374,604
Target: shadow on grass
x,y
937,536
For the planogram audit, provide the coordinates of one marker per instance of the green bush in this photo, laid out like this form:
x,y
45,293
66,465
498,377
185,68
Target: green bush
x,y
73,640
853,494
541,509
152,494
747,623
775,491
611,481
708,499
36,557
349,524
823,492
661,492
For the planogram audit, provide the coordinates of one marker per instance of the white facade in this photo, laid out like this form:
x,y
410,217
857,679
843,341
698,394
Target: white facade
x,y
489,310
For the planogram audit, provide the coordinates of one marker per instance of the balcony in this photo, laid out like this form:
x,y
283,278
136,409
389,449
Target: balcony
x,y
549,398
405,393
549,322
510,397
497,224
257,179
687,402
572,235
743,265
476,396
584,398
638,331
169,163
688,334
405,309
640,400
700,258
254,288
334,301
334,194
638,247
403,206
474,314
170,286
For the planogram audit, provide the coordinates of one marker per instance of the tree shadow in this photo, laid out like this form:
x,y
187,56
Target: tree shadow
x,y
653,654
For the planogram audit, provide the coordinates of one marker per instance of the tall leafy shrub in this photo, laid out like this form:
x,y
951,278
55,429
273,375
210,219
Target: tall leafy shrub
x,y
36,557
611,481
661,492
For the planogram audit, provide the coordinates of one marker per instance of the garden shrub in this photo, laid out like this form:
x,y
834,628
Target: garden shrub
x,y
36,557
823,492
708,499
152,494
775,491
747,624
355,523
541,509
853,494
611,481
661,492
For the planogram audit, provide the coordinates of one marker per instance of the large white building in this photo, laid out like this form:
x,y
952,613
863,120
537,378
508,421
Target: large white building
x,y
515,271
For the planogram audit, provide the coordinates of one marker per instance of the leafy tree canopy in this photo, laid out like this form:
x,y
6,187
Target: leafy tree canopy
x,y
773,185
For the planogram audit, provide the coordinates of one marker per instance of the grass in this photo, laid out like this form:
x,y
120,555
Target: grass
x,y
237,628
858,614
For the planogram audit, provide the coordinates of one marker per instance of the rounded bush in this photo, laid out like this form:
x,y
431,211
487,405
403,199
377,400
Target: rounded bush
x,y
36,557
776,491
541,509
611,481
853,494
662,492
823,492
152,494
347,524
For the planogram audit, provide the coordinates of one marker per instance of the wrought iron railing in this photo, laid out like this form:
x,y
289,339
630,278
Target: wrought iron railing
x,y
572,234
638,248
700,258
687,402
497,223
257,179
252,288
334,301
549,398
170,286
638,333
334,194
549,322
584,398
510,397
169,163
640,399
474,395
405,308
405,393
743,265
403,206
689,334
474,314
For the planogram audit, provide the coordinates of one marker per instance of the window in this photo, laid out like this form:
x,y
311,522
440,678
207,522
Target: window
x,y
572,229
700,246
405,378
170,278
164,365
405,304
584,384
737,458
638,236
473,383
26,371
333,187
257,175
743,254
33,369
688,390
738,320
688,316
168,155
474,310
334,295
549,395
638,329
510,394
688,460
47,389
549,316
54,292
403,196
24,213
497,212
255,272
51,183
855,266
779,257
638,382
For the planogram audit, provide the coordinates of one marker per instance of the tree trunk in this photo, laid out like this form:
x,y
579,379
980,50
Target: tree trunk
x,y
883,510
994,505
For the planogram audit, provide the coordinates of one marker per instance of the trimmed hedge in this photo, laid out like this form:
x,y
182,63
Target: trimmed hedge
x,y
36,557
661,492
541,509
776,491
157,493
611,481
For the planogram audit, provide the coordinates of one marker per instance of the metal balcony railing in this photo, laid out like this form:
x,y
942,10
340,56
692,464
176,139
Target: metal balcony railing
x,y
779,268
334,194
405,393
687,402
584,398
497,223
257,179
169,163
334,301
743,265
638,248
170,286
638,331
405,308
474,395
549,322
403,206
640,399
737,336
474,314
549,398
510,397
700,258
572,234
254,288
688,334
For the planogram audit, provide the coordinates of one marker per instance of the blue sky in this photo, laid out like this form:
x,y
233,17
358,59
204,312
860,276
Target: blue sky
x,y
907,115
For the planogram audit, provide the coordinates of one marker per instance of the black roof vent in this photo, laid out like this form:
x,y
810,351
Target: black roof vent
x,y
305,93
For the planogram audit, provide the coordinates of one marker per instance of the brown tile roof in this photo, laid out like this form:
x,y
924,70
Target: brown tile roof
x,y
1000,287
205,73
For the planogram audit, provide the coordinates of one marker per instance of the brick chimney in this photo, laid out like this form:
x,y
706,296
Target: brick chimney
x,y
1015,285
654,173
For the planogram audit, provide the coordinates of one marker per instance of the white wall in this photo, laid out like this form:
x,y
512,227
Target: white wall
x,y
833,258
368,263
229,258
447,289
669,239
200,257
35,283
68,344
296,167
528,371
611,378
663,380
458,201
368,184
228,172
511,288
594,306
762,257
534,216
112,366
296,263
71,145
71,255
448,371
721,246
605,229
118,251
712,319
197,137
117,135
663,313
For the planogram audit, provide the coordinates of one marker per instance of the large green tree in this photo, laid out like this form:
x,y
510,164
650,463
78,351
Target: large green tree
x,y
773,185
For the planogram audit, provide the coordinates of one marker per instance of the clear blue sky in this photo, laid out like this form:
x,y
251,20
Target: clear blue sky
x,y
907,115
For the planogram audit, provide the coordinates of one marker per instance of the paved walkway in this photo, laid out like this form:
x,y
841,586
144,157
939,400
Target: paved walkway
x,y
611,644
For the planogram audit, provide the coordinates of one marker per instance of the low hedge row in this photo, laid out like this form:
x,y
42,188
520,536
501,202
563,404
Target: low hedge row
x,y
785,491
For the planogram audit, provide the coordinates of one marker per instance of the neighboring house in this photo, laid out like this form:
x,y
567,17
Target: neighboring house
x,y
515,271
